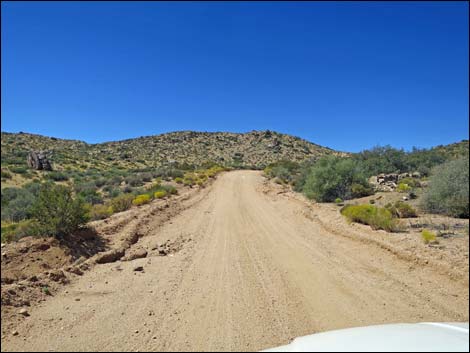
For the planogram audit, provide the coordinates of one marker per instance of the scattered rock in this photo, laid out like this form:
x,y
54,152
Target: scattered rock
x,y
23,312
137,252
138,268
15,333
75,270
109,256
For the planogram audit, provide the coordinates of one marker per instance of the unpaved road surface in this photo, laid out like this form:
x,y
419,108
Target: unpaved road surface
x,y
250,271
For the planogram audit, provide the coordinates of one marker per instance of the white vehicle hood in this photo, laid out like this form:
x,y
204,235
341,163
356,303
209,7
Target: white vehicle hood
x,y
426,336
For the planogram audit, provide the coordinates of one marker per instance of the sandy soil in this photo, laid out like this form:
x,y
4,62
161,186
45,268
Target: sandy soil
x,y
247,269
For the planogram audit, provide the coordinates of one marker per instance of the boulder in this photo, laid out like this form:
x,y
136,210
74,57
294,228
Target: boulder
x,y
38,160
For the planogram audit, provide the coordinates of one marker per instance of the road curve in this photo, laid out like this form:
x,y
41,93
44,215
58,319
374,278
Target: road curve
x,y
249,272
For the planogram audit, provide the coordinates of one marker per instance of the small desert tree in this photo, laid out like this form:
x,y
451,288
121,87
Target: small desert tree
x,y
57,211
448,191
335,177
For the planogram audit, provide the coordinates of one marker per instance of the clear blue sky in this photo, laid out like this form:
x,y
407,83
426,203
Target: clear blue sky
x,y
346,75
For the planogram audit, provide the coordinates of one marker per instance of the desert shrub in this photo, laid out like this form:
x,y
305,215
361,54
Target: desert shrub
x,y
284,170
87,186
16,203
448,191
141,200
134,180
91,196
6,175
121,203
376,217
146,177
18,169
100,211
178,180
338,200
100,182
12,231
332,177
57,176
428,236
160,194
279,181
403,187
114,192
189,179
169,189
401,209
361,190
57,212
411,182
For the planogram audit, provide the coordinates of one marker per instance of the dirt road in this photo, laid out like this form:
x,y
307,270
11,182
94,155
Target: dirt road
x,y
252,272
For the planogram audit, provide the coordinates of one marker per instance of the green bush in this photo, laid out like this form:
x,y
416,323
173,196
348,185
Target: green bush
x,y
178,180
448,190
403,187
121,203
361,190
57,212
411,182
17,202
376,217
141,200
401,209
18,169
100,211
6,175
338,200
169,189
57,176
16,231
332,177
428,236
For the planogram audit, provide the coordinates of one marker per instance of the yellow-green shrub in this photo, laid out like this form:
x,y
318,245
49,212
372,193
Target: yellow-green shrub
x,y
141,200
401,209
100,211
428,236
159,194
121,203
403,187
376,217
13,231
178,180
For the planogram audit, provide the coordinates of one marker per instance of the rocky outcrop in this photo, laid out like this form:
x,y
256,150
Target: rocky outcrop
x,y
38,160
389,182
